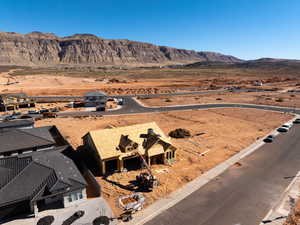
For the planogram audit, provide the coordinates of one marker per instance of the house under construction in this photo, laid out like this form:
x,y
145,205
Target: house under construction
x,y
120,148
15,101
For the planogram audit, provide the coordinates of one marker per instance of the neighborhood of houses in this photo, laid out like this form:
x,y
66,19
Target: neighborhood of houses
x,y
40,170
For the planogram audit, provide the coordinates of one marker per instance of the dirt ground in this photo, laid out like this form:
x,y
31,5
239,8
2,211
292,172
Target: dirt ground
x,y
226,132
294,216
278,99
64,84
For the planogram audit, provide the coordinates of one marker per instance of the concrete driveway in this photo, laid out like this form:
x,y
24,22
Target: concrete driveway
x,y
93,208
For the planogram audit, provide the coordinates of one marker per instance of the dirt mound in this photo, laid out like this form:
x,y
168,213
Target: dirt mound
x,y
294,216
180,133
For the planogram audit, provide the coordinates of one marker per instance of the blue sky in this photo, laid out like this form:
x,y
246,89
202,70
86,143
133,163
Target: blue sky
x,y
244,28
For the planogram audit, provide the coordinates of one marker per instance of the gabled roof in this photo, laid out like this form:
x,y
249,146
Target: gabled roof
x,y
19,139
106,141
26,178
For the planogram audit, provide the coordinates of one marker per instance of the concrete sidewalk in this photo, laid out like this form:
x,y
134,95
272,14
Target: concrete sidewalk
x,y
282,208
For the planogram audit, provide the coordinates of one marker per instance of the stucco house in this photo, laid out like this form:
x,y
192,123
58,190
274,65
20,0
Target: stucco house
x,y
93,99
32,182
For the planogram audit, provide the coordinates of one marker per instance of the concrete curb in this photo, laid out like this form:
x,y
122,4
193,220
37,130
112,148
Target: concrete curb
x,y
274,210
178,195
213,103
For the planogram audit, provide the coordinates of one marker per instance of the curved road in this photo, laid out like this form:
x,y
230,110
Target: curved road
x,y
133,107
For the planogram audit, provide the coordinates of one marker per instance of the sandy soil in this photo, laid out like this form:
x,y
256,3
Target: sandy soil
x,y
277,99
294,216
51,84
227,131
63,85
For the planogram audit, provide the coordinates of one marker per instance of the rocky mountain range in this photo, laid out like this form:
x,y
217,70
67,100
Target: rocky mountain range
x,y
41,49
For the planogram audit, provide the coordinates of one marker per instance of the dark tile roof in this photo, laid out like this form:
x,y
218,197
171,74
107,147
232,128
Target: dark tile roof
x,y
16,123
23,139
41,132
94,93
16,95
37,176
20,95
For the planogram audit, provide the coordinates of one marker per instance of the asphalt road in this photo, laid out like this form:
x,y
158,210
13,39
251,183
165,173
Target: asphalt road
x,y
132,107
244,194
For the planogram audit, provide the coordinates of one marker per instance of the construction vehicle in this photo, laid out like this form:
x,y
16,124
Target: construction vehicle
x,y
49,115
146,180
126,216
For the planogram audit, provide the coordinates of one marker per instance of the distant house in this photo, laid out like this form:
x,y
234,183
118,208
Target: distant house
x,y
93,99
257,83
119,148
22,141
31,182
15,101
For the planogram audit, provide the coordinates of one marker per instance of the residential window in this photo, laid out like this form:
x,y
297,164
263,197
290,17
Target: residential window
x,y
80,196
74,197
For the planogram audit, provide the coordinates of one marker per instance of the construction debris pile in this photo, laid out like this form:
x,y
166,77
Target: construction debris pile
x,y
180,133
133,202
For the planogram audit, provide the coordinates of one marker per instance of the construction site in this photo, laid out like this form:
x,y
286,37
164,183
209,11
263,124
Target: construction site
x,y
213,140
15,101
138,159
128,148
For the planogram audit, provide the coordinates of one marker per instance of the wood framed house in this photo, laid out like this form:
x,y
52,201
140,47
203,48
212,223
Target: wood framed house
x,y
120,148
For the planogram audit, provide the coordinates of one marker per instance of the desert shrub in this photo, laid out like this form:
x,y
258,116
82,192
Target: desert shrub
x,y
279,100
168,100
180,133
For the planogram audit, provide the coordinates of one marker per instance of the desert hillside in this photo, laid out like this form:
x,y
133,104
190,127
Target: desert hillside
x,y
38,48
